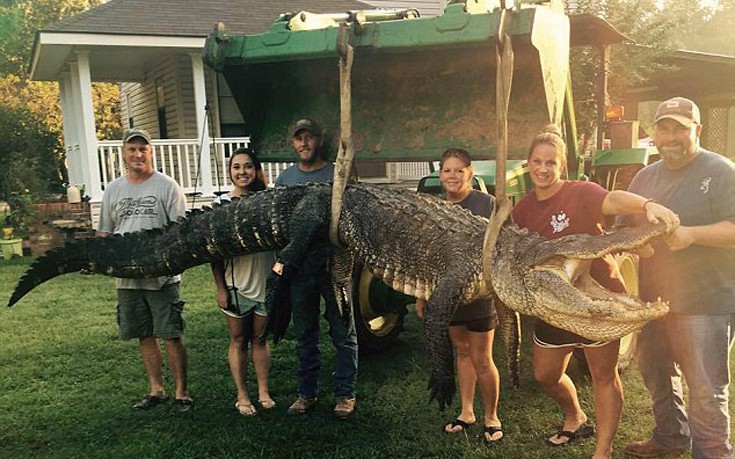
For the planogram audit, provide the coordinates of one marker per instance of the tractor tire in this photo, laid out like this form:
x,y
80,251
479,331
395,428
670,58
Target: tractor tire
x,y
379,312
628,266
626,354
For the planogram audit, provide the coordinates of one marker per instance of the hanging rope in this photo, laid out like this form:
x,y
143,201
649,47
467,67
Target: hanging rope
x,y
503,80
346,152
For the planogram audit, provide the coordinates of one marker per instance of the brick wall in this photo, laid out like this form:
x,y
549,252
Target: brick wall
x,y
73,221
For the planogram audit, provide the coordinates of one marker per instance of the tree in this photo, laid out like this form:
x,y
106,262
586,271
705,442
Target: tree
x,y
20,21
657,29
31,160
31,155
715,34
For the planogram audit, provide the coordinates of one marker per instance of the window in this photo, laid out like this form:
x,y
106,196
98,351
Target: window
x,y
161,109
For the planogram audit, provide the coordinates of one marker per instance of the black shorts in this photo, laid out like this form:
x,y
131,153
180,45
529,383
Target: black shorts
x,y
549,336
479,325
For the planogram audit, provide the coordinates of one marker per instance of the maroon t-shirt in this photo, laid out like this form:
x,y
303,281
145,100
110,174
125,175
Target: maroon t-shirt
x,y
575,209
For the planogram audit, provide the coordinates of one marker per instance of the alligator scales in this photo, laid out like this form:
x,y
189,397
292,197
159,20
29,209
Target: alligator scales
x,y
416,243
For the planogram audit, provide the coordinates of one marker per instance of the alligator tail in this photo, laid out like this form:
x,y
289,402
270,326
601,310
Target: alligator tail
x,y
203,236
80,255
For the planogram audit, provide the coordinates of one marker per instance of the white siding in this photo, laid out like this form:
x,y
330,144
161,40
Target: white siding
x,y
186,81
139,99
425,7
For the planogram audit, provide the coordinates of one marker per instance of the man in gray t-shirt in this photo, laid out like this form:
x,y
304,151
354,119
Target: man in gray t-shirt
x,y
693,270
148,309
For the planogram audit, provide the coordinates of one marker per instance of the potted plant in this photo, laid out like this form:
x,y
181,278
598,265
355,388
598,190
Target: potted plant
x,y
20,213
8,229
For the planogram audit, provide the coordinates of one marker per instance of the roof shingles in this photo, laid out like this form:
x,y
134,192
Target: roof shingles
x,y
191,18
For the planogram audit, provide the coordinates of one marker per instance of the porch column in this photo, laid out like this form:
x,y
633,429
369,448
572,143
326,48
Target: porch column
x,y
71,140
81,82
202,120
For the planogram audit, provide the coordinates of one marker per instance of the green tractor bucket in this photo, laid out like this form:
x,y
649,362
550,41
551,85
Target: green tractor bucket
x,y
419,85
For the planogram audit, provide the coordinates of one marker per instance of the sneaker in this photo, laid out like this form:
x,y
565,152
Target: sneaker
x,y
182,405
650,448
344,406
302,405
150,401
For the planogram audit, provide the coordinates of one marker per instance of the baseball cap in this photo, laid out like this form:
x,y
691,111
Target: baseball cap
x,y
306,123
679,109
136,132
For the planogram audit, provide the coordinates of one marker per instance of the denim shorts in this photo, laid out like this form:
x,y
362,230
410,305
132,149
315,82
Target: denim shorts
x,y
143,313
239,307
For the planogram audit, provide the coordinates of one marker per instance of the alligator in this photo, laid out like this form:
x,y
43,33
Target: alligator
x,y
416,243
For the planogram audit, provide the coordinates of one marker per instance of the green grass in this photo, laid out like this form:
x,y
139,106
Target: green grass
x,y
67,385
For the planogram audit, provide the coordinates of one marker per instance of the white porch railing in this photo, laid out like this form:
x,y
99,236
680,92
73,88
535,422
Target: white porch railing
x,y
179,159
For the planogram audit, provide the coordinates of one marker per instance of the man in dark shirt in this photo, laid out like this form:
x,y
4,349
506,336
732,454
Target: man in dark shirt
x,y
693,270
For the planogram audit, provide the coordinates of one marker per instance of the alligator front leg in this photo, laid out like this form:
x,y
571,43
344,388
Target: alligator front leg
x,y
439,312
307,229
278,304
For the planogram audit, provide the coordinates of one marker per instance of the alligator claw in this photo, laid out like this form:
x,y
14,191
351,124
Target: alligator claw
x,y
278,304
442,389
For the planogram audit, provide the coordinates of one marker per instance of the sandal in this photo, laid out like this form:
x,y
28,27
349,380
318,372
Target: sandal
x,y
449,428
582,432
246,409
182,405
267,403
490,431
150,401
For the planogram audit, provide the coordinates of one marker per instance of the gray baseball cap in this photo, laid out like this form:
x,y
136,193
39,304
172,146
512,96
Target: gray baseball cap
x,y
679,109
308,124
136,132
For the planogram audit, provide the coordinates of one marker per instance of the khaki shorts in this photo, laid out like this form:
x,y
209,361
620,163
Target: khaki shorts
x,y
143,313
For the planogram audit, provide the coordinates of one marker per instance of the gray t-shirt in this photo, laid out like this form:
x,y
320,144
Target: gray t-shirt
x,y
130,207
294,175
698,279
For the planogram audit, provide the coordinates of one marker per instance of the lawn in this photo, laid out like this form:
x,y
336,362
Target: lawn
x,y
67,385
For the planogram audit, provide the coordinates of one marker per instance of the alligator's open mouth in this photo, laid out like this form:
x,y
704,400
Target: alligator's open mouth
x,y
564,287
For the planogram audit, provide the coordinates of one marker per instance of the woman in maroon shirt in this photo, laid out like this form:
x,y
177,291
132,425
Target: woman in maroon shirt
x,y
559,208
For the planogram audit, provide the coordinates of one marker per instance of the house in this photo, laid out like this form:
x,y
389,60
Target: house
x,y
154,50
705,78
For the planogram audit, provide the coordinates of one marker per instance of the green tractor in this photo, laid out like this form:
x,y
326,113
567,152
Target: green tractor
x,y
417,86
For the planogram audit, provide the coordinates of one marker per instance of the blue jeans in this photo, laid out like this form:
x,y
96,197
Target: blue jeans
x,y
306,289
698,347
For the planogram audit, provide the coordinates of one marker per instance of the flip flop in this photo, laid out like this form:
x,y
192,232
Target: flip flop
x,y
457,423
492,430
246,409
150,401
582,432
182,405
267,403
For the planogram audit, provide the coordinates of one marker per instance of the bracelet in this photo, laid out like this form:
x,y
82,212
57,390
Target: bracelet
x,y
645,203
